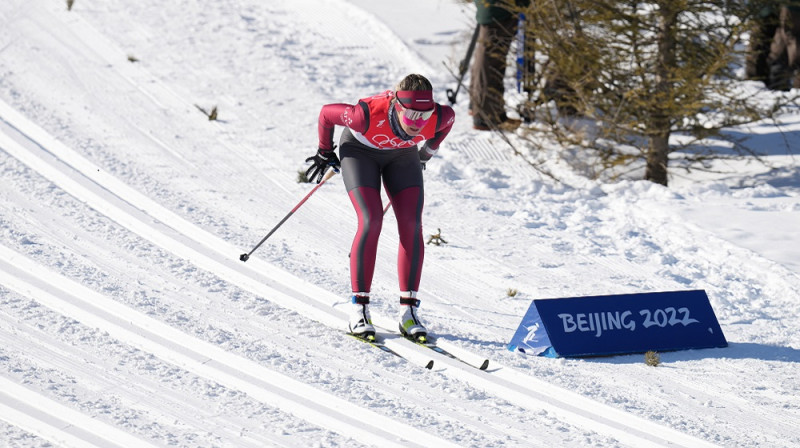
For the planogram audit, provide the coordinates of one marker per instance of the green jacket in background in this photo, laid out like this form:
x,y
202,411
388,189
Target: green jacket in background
x,y
491,11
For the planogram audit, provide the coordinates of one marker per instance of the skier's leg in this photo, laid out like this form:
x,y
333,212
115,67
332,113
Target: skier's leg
x,y
407,205
361,175
368,207
404,184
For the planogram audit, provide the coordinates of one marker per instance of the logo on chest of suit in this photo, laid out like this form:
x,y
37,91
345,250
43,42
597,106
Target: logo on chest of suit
x,y
385,142
380,123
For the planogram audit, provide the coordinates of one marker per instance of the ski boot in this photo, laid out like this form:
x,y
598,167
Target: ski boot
x,y
410,325
360,322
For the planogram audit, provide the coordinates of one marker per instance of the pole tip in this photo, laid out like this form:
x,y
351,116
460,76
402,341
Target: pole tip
x,y
244,257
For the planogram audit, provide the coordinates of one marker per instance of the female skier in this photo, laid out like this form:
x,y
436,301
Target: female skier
x,y
379,143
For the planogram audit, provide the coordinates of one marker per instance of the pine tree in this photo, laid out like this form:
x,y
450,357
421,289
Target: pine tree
x,y
641,72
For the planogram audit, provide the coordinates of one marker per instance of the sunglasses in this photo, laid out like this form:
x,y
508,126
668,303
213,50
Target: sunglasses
x,y
412,117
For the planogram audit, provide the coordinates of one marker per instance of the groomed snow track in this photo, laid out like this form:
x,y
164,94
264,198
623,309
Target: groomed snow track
x,y
43,154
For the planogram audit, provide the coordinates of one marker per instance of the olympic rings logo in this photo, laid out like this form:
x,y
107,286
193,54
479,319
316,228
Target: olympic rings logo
x,y
385,141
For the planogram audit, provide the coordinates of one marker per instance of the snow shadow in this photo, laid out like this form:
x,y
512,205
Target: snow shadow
x,y
763,352
776,141
784,177
734,350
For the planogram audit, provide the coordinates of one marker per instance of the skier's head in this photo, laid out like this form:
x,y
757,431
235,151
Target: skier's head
x,y
415,92
414,103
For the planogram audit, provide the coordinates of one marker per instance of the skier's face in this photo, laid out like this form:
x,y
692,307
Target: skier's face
x,y
412,121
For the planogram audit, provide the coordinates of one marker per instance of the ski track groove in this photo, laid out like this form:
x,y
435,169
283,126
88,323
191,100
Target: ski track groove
x,y
53,421
93,309
131,388
142,216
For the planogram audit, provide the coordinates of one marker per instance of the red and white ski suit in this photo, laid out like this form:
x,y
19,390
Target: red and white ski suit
x,y
374,148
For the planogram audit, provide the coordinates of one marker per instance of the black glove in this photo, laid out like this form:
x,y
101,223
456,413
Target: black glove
x,y
320,164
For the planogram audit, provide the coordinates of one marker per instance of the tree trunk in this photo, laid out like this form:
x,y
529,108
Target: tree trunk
x,y
660,129
657,158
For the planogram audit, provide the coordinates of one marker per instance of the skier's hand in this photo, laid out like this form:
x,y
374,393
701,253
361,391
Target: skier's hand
x,y
423,157
320,164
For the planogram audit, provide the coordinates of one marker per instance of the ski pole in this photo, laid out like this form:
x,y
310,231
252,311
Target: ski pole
x,y
331,173
463,66
526,66
525,61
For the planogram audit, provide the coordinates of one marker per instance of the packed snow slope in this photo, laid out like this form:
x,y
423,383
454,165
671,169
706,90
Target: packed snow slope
x,y
126,318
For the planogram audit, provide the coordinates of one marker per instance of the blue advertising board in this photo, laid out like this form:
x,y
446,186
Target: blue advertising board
x,y
617,324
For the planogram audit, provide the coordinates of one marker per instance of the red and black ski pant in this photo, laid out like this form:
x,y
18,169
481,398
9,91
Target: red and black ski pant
x,y
363,169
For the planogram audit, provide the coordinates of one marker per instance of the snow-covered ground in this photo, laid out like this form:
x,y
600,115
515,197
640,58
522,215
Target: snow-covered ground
x,y
126,318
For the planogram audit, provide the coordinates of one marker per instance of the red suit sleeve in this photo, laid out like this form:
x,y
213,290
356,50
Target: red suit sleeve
x,y
339,114
445,125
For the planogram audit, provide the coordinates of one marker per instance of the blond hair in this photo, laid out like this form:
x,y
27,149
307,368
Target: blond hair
x,y
414,82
